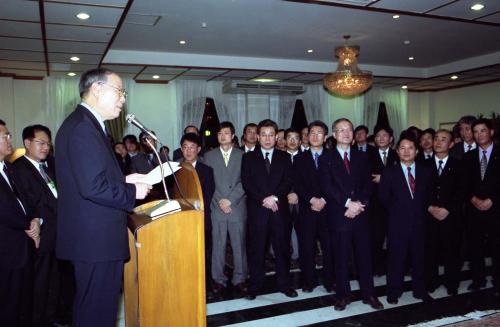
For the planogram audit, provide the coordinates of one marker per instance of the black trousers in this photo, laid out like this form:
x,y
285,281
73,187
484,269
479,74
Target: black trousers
x,y
378,226
443,245
97,293
16,294
45,288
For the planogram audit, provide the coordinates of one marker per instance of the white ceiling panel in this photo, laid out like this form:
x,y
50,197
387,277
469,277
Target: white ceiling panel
x,y
8,28
207,72
484,71
64,58
20,10
398,81
21,55
184,77
124,69
65,67
149,77
66,13
21,44
65,74
152,70
309,77
462,9
13,64
243,73
279,75
21,72
418,6
115,3
492,19
78,33
482,78
75,47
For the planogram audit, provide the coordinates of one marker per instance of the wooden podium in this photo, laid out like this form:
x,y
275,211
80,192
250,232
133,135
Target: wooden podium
x,y
165,278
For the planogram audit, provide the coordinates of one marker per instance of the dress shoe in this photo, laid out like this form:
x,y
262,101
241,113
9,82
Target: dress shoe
x,y
307,289
341,304
392,300
329,289
218,289
250,296
290,292
452,291
239,290
426,298
374,303
476,286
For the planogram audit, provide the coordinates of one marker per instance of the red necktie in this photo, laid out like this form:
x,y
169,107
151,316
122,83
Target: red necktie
x,y
411,181
346,163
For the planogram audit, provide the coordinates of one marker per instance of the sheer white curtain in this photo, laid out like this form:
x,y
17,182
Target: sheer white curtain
x,y
62,96
396,103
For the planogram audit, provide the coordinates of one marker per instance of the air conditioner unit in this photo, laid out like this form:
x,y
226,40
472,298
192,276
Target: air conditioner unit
x,y
262,88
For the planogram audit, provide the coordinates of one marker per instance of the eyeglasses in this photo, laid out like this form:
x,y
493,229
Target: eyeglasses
x,y
42,143
121,91
6,136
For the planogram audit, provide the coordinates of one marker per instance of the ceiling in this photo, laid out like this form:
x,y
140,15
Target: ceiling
x,y
244,39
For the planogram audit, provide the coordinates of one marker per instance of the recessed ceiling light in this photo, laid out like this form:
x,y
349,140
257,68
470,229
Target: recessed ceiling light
x,y
83,16
404,87
477,6
310,51
71,74
454,77
265,80
411,58
395,16
182,42
74,58
156,76
204,25
406,42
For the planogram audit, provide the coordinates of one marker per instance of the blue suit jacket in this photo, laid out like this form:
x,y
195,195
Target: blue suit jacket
x,y
338,186
93,196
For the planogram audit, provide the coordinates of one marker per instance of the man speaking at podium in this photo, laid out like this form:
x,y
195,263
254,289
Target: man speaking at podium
x,y
94,198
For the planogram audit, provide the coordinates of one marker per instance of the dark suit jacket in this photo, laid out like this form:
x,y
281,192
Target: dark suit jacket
x,y
93,196
39,199
206,176
376,163
489,187
406,214
305,181
140,163
448,190
421,157
338,186
15,245
258,184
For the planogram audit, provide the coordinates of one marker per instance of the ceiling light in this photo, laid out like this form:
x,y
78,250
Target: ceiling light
x,y
83,16
404,87
454,77
156,76
395,16
477,6
265,80
203,25
348,79
74,59
71,74
411,58
182,42
310,51
406,42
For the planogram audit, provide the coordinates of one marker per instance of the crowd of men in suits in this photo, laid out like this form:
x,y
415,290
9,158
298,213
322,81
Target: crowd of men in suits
x,y
384,208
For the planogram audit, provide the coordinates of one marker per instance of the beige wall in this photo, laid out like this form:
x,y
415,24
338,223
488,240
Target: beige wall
x,y
429,109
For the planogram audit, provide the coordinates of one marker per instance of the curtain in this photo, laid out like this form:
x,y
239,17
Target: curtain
x,y
62,96
116,127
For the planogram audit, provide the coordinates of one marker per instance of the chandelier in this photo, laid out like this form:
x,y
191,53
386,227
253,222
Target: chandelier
x,y
348,79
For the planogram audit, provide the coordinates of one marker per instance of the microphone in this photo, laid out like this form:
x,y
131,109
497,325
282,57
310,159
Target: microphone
x,y
130,118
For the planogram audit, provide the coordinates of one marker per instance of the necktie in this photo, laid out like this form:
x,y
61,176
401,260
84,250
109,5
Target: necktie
x,y
268,163
440,168
316,156
226,157
484,164
346,163
411,181
384,158
469,147
45,177
360,148
427,156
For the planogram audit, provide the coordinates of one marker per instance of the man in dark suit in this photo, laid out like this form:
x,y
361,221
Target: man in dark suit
x,y
94,198
482,168
443,228
35,176
265,175
468,143
361,139
190,148
18,234
380,157
188,129
426,141
405,190
347,186
312,222
249,137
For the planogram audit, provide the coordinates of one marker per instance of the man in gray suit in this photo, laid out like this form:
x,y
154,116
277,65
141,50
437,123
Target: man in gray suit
x,y
228,211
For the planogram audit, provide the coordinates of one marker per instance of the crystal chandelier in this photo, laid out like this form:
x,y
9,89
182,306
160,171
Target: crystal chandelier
x,y
348,79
